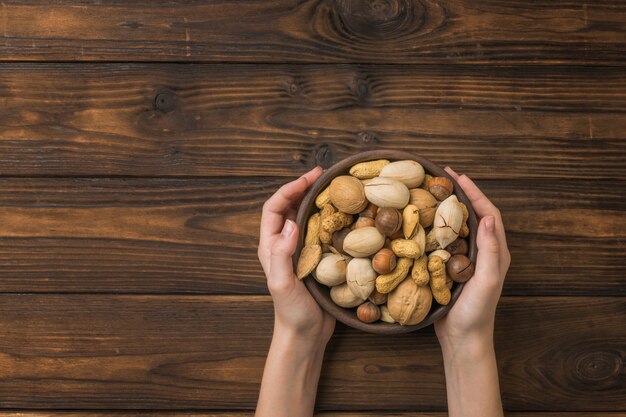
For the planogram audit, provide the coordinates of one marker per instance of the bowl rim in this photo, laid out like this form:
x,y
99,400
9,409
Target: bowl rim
x,y
321,293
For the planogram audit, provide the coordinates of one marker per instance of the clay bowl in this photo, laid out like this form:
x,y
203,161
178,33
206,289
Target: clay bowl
x,y
321,293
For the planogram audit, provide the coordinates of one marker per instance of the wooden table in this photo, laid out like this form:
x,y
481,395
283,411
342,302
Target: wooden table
x,y
139,140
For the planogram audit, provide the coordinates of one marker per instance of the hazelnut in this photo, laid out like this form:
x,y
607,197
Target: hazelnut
x,y
338,238
364,222
426,203
458,247
369,211
422,199
440,187
388,220
377,297
426,182
384,261
397,235
368,312
460,268
427,216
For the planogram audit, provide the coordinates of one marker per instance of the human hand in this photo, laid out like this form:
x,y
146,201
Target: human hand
x,y
297,314
471,319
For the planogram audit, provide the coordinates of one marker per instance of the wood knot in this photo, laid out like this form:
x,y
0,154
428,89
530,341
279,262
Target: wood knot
x,y
132,25
375,369
377,19
368,138
324,155
380,10
165,101
361,90
599,366
293,87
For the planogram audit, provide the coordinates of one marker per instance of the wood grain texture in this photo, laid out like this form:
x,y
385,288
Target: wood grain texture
x,y
393,31
137,352
321,414
200,235
276,120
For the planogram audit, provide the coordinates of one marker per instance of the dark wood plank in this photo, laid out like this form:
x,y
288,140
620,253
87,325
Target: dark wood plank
x,y
276,120
135,235
201,235
396,31
320,414
166,352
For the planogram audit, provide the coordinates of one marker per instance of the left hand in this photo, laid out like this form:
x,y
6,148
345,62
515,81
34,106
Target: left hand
x,y
296,312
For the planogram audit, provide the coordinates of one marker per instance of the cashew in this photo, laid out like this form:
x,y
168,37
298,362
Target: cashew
x,y
410,220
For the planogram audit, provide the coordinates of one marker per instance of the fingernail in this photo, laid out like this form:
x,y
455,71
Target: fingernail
x,y
489,223
288,228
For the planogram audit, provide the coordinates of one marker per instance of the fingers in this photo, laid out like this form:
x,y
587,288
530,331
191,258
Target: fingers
x,y
452,173
286,197
483,206
281,276
488,259
290,193
480,202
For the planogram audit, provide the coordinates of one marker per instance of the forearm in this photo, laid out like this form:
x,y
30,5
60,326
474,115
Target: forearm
x,y
472,380
290,378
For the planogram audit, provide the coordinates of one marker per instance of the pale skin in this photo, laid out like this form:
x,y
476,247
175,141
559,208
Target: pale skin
x,y
302,329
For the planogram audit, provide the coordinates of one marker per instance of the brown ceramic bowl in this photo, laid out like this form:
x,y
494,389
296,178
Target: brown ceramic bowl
x,y
321,293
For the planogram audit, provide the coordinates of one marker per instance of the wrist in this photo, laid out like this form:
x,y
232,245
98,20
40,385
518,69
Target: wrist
x,y
469,347
292,372
293,340
472,377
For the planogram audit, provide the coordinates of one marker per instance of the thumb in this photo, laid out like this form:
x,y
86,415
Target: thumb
x,y
281,263
488,259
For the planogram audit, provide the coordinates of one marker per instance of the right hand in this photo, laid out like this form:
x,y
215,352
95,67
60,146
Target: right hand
x,y
472,317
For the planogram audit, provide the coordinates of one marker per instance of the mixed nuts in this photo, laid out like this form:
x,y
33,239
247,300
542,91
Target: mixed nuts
x,y
388,238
